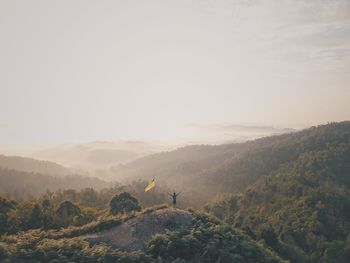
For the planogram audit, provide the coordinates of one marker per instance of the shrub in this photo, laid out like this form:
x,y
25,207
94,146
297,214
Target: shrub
x,y
124,202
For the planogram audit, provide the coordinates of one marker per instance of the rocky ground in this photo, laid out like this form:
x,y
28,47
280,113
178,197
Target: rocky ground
x,y
132,234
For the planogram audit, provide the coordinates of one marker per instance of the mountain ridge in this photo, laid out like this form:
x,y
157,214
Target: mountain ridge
x,y
230,167
302,208
26,164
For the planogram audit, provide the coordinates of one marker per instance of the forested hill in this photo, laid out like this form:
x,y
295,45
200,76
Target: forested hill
x,y
32,165
289,192
231,167
180,236
23,184
302,209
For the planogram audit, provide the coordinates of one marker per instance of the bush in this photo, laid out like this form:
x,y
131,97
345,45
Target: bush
x,y
124,202
66,212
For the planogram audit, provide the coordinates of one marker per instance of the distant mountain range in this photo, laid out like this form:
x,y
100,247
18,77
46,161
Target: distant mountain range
x,y
200,171
98,155
236,133
23,184
32,165
21,177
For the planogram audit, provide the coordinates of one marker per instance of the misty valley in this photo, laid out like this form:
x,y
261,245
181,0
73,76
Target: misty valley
x,y
280,198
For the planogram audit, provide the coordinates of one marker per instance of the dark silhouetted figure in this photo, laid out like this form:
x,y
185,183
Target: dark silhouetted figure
x,y
174,196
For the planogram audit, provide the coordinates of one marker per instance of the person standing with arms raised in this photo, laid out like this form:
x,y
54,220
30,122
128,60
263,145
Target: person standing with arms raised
x,y
174,196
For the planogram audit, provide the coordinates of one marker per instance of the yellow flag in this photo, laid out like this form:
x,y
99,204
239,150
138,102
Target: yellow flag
x,y
150,186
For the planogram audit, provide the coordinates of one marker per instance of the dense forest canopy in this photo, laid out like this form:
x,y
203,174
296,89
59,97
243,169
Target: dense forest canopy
x,y
302,209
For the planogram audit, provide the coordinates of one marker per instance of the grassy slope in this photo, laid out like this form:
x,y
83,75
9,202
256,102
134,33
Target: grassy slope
x,y
204,236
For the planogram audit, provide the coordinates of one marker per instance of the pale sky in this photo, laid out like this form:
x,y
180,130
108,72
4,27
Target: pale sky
x,y
91,70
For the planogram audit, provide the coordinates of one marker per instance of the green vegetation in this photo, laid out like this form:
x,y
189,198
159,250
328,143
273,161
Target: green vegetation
x,y
206,241
32,166
63,208
289,194
301,210
231,167
19,184
124,202
5,207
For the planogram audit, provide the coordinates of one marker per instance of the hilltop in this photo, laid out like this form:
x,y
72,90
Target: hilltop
x,y
134,233
181,236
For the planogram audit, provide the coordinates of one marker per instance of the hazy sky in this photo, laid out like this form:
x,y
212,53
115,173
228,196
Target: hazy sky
x,y
87,70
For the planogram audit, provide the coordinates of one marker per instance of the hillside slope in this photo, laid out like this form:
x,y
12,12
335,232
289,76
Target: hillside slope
x,y
205,241
22,184
98,155
231,167
302,209
32,165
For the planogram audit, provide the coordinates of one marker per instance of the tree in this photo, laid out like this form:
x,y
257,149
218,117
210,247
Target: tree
x,y
124,202
5,207
269,236
46,204
36,217
66,212
337,252
47,214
